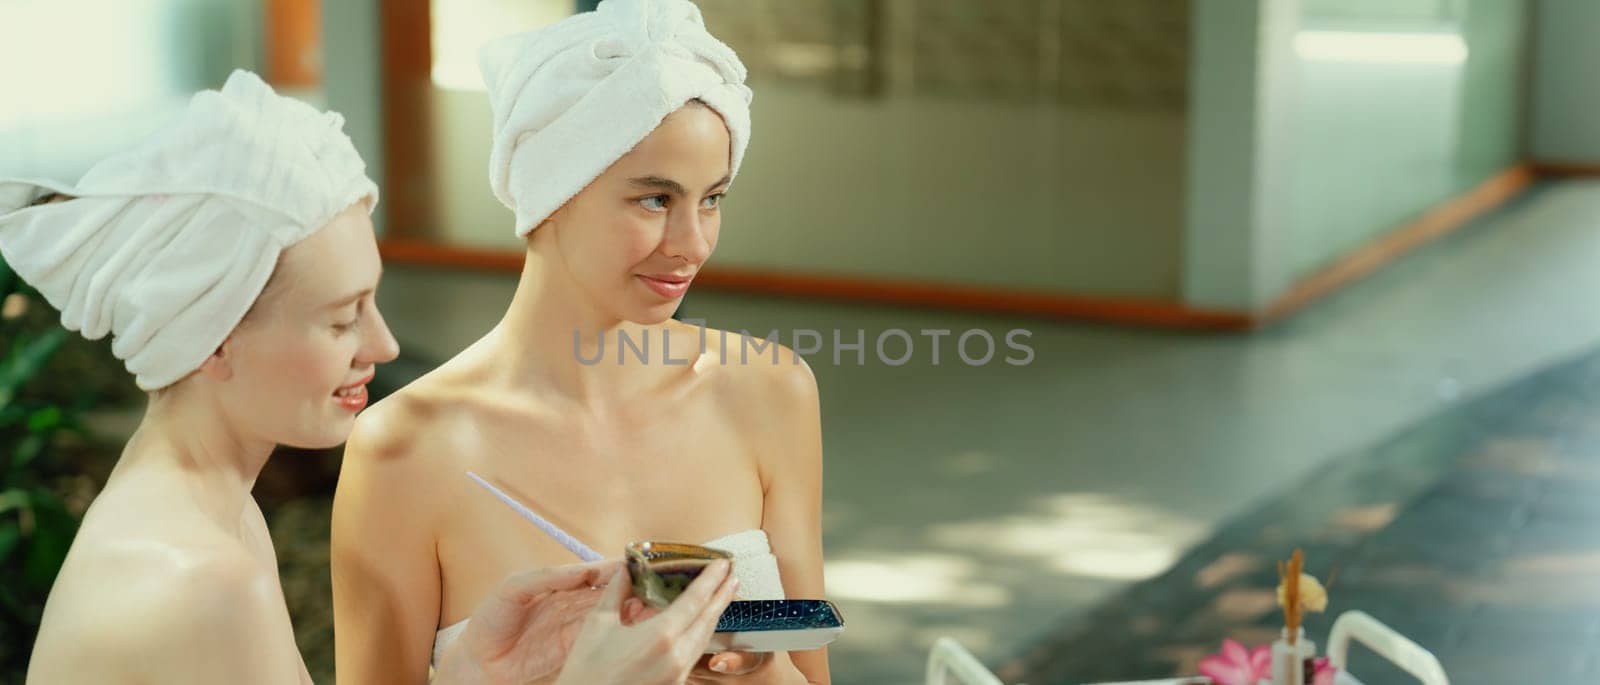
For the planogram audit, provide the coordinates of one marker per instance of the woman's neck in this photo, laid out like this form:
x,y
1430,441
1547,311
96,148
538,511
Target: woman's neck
x,y
186,435
553,338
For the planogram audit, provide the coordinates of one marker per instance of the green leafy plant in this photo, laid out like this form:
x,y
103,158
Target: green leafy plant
x,y
36,526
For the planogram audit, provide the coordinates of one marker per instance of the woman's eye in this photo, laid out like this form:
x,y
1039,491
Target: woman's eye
x,y
654,202
344,326
713,201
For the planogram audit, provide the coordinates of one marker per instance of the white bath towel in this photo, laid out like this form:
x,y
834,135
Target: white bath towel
x,y
573,97
167,245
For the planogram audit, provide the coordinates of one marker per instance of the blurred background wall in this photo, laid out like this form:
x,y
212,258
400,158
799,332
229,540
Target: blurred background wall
x,y
1207,154
1027,144
83,78
1320,125
1566,85
1380,140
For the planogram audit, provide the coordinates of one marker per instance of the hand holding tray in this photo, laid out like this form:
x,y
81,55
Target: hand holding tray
x,y
660,571
777,625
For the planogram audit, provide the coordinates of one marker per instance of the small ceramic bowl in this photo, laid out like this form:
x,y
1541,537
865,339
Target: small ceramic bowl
x,y
660,571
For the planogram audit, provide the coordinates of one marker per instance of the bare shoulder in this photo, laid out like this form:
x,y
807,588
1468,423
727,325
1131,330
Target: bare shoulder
x,y
407,432
772,396
762,371
223,616
166,605
392,428
392,452
401,458
214,592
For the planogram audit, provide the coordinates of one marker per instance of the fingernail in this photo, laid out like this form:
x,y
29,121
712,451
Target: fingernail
x,y
720,665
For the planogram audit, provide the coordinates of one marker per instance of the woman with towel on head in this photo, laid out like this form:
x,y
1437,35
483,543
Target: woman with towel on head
x,y
616,135
232,258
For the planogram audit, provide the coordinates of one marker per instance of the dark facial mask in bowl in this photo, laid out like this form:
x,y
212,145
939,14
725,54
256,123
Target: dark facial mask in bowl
x,y
660,571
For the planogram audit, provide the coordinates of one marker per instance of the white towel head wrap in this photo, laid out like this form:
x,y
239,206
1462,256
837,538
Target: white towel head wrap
x,y
167,245
572,98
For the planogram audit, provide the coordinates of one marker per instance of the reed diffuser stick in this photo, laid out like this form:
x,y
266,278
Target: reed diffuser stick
x,y
1291,591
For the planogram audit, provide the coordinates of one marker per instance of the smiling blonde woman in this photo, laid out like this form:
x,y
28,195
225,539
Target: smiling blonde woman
x,y
232,259
617,135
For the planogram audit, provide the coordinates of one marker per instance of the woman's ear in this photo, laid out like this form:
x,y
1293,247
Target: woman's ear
x,y
216,366
546,229
555,218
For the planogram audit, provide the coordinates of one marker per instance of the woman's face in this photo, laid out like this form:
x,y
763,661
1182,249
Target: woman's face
x,y
297,367
635,237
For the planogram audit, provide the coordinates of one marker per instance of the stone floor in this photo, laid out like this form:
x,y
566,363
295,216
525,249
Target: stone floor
x,y
1475,533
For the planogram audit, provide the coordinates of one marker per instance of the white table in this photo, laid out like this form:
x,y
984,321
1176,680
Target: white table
x,y
1342,679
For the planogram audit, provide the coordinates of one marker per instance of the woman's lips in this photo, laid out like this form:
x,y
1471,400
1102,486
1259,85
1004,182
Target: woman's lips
x,y
353,397
668,286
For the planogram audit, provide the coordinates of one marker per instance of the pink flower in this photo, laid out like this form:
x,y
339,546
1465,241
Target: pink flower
x,y
1324,671
1236,665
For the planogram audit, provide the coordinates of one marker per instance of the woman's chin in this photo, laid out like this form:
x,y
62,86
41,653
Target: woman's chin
x,y
330,433
653,314
333,438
